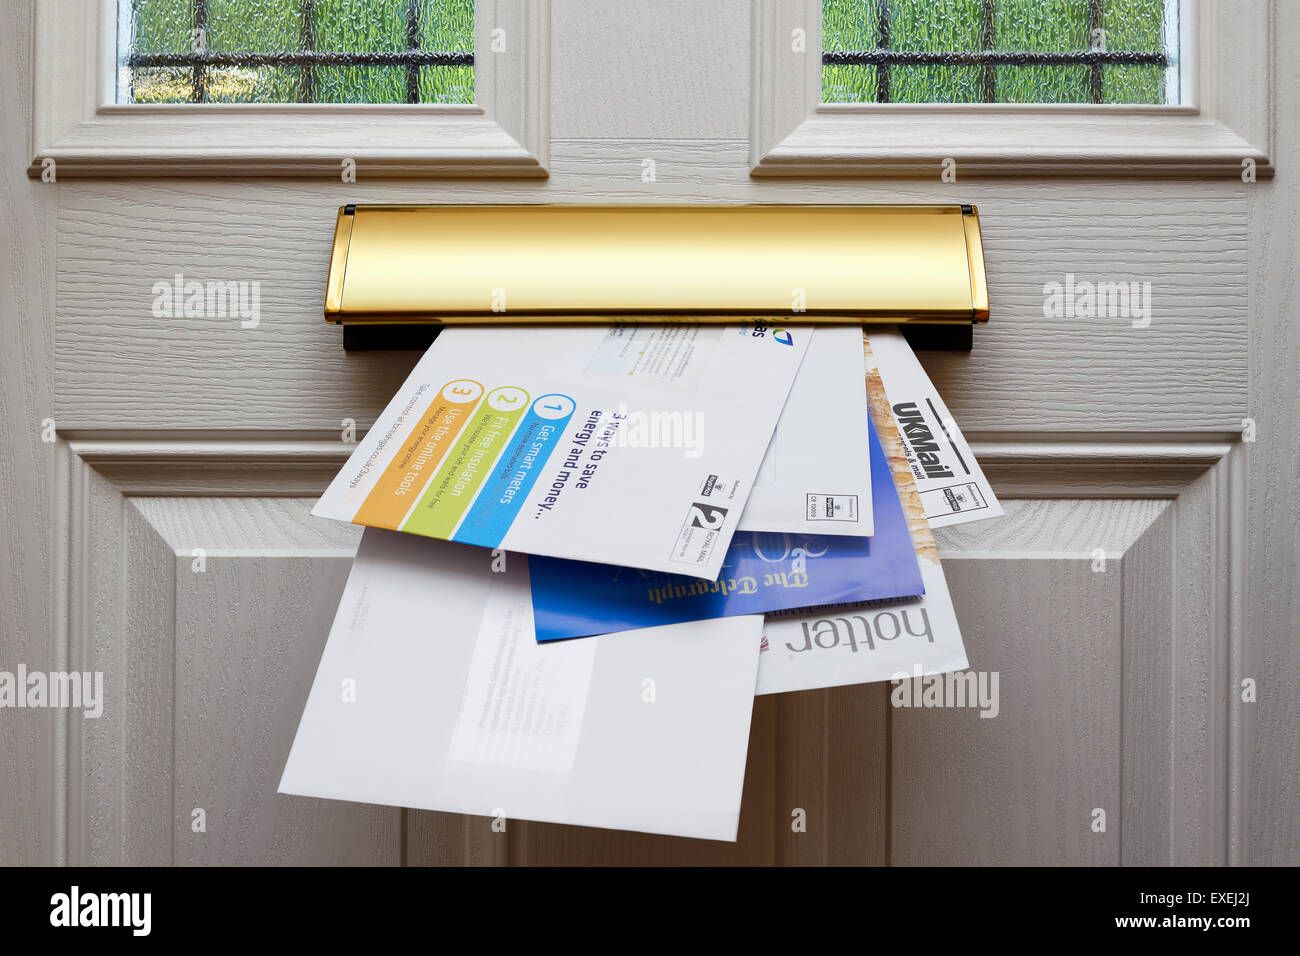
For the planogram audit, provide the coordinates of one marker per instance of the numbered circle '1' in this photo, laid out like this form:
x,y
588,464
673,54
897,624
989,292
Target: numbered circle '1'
x,y
553,406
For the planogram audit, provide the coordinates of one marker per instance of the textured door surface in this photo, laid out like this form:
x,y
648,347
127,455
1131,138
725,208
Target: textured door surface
x,y
1145,569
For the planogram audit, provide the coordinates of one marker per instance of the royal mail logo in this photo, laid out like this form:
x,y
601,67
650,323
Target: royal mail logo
x,y
700,532
710,517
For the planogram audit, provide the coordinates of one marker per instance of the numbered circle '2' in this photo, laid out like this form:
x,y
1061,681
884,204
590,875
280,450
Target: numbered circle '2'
x,y
507,398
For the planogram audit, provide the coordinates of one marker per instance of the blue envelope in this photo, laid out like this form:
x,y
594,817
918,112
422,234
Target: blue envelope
x,y
763,571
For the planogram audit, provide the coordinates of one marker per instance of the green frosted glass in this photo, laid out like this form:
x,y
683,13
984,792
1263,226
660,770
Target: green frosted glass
x,y
1061,25
161,84
252,84
935,84
1017,26
446,84
252,27
361,84
447,25
935,25
848,84
159,26
1133,24
1043,84
1133,84
370,26
849,26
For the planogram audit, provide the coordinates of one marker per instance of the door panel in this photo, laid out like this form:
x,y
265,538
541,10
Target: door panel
x,y
1119,688
206,616
208,611
1186,371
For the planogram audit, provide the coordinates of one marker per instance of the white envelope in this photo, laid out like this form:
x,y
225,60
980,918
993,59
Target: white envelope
x,y
816,476
433,693
630,445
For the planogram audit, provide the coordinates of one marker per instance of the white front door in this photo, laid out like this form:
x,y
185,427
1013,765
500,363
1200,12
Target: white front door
x,y
1138,603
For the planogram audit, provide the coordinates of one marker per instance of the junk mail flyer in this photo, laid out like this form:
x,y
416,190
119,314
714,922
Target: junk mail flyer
x,y
634,445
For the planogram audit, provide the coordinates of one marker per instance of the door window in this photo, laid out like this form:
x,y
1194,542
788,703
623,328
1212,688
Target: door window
x,y
300,51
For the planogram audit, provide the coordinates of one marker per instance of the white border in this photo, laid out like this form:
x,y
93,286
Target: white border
x,y
77,124
1223,118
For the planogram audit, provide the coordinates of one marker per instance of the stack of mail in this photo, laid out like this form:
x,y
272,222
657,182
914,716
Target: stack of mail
x,y
588,548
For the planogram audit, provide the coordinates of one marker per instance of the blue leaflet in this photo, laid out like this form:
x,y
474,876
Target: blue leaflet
x,y
762,572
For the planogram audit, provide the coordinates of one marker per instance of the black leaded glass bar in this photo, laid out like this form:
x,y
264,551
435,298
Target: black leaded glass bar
x,y
989,51
306,51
